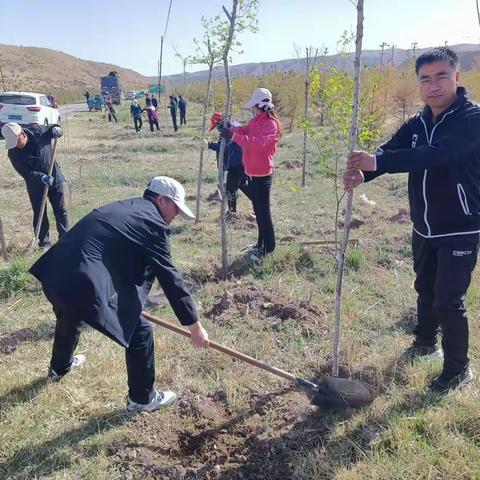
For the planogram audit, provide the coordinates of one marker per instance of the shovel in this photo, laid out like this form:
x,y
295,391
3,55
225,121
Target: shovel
x,y
36,233
331,393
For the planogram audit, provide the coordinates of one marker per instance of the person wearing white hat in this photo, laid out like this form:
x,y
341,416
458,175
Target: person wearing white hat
x,y
101,273
30,152
259,139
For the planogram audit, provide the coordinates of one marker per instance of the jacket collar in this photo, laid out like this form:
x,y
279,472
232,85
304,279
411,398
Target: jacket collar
x,y
460,100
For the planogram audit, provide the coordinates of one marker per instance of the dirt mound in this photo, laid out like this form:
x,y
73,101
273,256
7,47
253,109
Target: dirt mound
x,y
240,220
292,164
354,223
403,216
214,197
252,300
10,341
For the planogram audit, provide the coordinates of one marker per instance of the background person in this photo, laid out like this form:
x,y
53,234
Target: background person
x,y
182,108
101,273
136,112
30,152
173,111
232,163
259,139
152,117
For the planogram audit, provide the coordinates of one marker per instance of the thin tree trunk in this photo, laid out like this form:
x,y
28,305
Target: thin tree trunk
x,y
221,175
206,104
305,118
348,214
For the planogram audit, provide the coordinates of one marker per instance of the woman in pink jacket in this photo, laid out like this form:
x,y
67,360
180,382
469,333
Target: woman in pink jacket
x,y
259,139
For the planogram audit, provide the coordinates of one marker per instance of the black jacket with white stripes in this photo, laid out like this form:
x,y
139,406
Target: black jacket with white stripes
x,y
443,162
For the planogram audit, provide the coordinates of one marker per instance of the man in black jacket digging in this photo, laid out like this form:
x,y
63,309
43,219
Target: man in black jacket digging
x,y
29,150
101,272
440,149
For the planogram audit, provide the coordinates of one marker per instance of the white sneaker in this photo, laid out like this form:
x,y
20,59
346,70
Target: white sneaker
x,y
77,361
256,256
249,248
160,400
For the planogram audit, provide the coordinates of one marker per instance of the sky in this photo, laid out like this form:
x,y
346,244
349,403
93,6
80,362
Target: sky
x,y
128,34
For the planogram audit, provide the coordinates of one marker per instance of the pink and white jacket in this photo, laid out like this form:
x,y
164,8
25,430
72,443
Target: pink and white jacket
x,y
259,140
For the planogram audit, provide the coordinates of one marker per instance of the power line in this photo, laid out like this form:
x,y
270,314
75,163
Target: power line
x,y
168,18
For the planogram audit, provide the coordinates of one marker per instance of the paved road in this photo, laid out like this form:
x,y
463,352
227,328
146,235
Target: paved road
x,y
68,111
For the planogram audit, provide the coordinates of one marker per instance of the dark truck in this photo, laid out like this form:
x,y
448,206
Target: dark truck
x,y
110,86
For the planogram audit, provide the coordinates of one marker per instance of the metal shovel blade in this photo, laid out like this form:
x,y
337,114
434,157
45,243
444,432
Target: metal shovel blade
x,y
336,393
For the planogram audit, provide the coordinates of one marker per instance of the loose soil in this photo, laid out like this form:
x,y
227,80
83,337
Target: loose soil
x,y
207,441
257,301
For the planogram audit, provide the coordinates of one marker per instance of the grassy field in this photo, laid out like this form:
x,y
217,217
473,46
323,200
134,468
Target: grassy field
x,y
231,421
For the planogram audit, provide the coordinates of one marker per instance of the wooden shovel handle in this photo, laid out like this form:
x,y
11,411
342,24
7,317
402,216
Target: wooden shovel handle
x,y
45,192
229,351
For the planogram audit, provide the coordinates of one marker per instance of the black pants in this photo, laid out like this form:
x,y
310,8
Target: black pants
x,y
258,189
236,180
57,201
183,118
139,355
443,268
152,123
111,116
174,122
138,122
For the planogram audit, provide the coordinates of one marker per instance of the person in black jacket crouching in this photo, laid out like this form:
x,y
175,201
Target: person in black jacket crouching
x,y
30,152
440,150
101,272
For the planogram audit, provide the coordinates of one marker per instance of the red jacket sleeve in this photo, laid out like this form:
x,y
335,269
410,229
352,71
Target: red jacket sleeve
x,y
266,136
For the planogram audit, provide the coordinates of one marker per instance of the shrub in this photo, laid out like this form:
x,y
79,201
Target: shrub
x,y
353,259
14,278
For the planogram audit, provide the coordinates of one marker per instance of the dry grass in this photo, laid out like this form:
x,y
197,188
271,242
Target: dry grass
x,y
232,421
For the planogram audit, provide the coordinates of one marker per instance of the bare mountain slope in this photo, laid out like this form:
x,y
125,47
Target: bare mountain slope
x,y
42,69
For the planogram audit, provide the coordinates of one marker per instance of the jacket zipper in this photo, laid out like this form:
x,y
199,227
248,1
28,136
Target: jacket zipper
x,y
463,199
429,140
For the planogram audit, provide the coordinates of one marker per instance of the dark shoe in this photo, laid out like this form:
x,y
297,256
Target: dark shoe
x,y
77,361
420,352
447,381
45,245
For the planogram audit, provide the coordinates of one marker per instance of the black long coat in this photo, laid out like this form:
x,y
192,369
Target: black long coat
x,y
103,268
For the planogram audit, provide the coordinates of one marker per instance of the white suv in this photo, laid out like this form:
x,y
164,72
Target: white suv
x,y
27,108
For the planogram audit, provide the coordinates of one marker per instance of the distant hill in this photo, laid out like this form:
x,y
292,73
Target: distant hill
x,y
44,70
467,54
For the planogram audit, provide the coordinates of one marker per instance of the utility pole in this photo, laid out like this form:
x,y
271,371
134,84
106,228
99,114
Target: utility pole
x,y
392,56
160,70
414,48
382,46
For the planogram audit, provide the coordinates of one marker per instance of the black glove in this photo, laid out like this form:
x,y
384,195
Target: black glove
x,y
47,180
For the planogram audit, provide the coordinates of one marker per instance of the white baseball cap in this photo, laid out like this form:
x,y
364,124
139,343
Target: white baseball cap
x,y
261,97
168,187
11,131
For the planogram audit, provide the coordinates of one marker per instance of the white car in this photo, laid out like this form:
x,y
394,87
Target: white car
x,y
26,108
130,95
